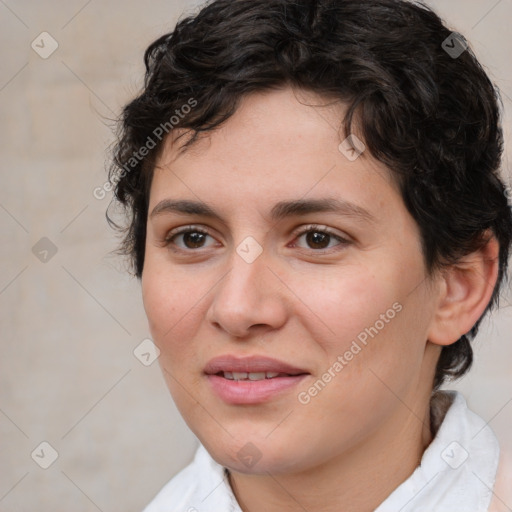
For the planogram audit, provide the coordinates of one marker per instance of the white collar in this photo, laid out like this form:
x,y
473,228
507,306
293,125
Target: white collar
x,y
458,469
456,474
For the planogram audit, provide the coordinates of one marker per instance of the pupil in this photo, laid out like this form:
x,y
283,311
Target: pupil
x,y
195,237
317,238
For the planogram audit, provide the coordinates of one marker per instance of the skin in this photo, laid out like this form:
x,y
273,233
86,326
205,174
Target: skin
x,y
301,303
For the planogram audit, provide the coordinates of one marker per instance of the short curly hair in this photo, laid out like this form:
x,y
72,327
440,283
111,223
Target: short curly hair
x,y
430,115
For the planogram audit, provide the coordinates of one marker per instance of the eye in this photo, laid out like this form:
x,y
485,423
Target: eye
x,y
192,237
319,237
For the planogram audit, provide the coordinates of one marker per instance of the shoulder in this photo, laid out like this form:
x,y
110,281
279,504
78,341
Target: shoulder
x,y
502,492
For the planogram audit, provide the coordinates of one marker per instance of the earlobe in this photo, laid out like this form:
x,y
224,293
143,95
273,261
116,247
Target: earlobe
x,y
465,291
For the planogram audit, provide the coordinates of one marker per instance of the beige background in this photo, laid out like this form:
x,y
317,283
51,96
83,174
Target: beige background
x,y
68,375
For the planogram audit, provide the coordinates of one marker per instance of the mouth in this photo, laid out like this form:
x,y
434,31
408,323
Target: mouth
x,y
251,375
250,367
251,380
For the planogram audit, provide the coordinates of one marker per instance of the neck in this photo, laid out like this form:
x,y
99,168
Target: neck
x,y
359,480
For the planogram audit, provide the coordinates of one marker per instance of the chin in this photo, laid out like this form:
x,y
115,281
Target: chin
x,y
255,455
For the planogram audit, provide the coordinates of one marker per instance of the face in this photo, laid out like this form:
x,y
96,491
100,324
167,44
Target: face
x,y
286,331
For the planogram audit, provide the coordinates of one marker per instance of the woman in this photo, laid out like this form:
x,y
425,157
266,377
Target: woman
x,y
319,226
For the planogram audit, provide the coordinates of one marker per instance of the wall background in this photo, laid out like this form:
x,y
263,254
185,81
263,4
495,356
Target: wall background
x,y
70,324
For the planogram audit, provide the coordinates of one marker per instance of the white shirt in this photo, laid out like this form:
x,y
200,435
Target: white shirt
x,y
457,472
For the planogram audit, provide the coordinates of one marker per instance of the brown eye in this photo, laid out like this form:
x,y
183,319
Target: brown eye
x,y
317,239
320,239
192,238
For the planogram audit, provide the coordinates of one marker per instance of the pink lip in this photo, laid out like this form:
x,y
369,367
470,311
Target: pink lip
x,y
229,363
251,392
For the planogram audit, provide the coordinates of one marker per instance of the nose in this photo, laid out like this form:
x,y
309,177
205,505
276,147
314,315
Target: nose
x,y
250,299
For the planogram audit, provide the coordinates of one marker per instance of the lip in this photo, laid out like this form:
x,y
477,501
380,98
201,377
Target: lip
x,y
247,391
230,363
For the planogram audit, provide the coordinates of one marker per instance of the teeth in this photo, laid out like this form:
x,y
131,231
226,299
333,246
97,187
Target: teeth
x,y
257,376
250,375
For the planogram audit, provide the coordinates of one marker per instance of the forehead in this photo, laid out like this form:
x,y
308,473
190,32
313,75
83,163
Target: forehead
x,y
278,145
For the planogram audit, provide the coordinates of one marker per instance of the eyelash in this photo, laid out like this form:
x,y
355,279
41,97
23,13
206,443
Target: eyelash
x,y
168,241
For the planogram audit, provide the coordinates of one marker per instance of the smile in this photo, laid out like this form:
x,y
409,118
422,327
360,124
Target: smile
x,y
251,380
252,375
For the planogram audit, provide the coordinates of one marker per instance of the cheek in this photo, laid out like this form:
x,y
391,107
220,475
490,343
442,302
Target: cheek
x,y
165,301
174,306
346,303
372,320
158,303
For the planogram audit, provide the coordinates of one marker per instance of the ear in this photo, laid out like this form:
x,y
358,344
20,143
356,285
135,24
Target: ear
x,y
465,290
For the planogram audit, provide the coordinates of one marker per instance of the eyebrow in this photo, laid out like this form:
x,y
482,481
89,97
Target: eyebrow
x,y
279,211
